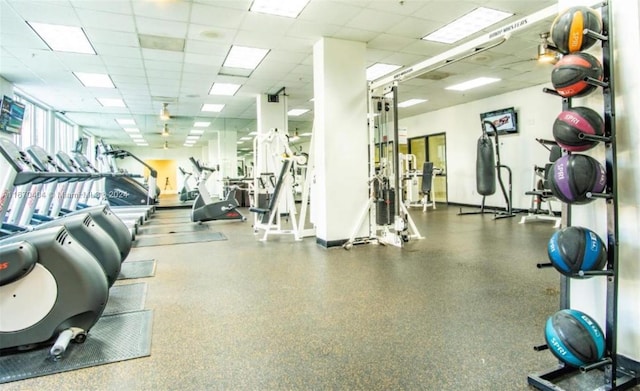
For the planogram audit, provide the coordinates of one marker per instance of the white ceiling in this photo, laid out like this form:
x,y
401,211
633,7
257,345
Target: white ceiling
x,y
145,78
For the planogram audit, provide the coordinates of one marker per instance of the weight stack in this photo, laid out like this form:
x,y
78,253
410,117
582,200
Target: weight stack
x,y
384,208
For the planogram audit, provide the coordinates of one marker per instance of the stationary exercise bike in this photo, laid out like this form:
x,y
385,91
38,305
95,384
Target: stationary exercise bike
x,y
204,208
186,193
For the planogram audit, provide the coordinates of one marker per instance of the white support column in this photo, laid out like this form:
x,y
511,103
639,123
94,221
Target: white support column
x,y
271,115
340,137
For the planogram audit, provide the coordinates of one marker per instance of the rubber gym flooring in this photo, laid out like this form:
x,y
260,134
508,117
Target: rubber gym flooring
x,y
458,310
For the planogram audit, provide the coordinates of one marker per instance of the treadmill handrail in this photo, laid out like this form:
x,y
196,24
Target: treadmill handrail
x,y
25,177
118,152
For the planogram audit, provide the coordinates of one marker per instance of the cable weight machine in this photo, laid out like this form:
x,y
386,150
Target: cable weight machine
x,y
388,218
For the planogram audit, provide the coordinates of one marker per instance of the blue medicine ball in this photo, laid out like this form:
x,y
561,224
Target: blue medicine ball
x,y
575,249
574,338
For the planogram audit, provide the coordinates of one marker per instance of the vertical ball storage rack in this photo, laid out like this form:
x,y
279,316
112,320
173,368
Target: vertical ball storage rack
x,y
616,372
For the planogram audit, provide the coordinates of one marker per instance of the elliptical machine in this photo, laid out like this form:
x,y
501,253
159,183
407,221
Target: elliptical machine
x,y
186,193
204,208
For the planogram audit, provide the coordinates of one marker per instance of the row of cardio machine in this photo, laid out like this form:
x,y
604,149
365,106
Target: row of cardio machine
x,y
58,256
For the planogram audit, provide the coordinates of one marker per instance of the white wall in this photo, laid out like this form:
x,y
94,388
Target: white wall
x,y
536,113
180,155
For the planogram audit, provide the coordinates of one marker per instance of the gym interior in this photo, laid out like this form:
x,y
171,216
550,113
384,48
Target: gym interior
x,y
372,195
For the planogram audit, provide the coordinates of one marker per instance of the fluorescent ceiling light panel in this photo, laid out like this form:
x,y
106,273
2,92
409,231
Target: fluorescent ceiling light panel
x,y
201,124
132,130
307,134
63,38
379,69
196,131
192,137
296,112
411,102
288,8
187,145
111,102
244,57
246,138
254,133
125,121
212,107
94,79
224,89
239,142
467,25
467,85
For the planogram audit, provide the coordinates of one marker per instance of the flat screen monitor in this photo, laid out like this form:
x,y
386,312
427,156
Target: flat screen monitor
x,y
11,115
505,121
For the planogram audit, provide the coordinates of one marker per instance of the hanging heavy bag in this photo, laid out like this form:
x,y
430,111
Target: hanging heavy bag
x,y
485,167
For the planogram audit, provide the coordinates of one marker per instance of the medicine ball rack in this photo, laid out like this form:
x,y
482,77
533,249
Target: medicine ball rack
x,y
617,372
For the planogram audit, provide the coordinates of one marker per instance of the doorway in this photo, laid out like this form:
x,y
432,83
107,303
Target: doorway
x,y
167,175
433,148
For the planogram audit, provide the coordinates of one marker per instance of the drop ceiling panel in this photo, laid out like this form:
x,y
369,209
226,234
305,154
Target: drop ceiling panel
x,y
389,42
111,37
206,48
312,29
162,28
352,34
46,12
339,13
129,71
109,51
167,10
212,63
210,33
120,7
368,19
154,56
106,20
217,16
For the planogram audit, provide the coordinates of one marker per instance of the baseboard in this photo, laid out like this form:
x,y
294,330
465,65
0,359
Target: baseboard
x,y
331,243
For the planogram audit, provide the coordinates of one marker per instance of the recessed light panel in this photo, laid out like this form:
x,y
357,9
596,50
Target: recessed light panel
x,y
467,85
244,57
467,25
411,102
288,8
125,121
196,131
296,112
378,70
63,38
224,89
94,79
132,130
201,124
212,107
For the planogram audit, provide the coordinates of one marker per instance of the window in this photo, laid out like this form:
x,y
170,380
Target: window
x,y
64,136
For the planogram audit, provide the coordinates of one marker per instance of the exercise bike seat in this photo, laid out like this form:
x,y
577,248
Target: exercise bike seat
x,y
16,260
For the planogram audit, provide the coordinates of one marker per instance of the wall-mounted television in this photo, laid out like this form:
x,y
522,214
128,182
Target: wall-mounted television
x,y
505,121
11,115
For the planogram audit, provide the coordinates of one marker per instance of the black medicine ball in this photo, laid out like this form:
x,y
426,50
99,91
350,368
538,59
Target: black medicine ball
x,y
575,249
567,29
571,123
568,75
572,177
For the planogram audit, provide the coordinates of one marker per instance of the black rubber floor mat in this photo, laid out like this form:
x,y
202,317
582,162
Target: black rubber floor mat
x,y
137,269
178,238
114,338
126,298
168,220
172,229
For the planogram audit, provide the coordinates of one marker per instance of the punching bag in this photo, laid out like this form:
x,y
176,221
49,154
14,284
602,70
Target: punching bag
x,y
485,167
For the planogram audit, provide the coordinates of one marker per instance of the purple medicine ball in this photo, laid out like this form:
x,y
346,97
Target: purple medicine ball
x,y
572,177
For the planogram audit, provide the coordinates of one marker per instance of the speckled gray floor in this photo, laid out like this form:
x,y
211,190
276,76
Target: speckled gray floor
x,y
459,310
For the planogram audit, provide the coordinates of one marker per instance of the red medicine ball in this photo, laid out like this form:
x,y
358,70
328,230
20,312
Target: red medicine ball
x,y
568,75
